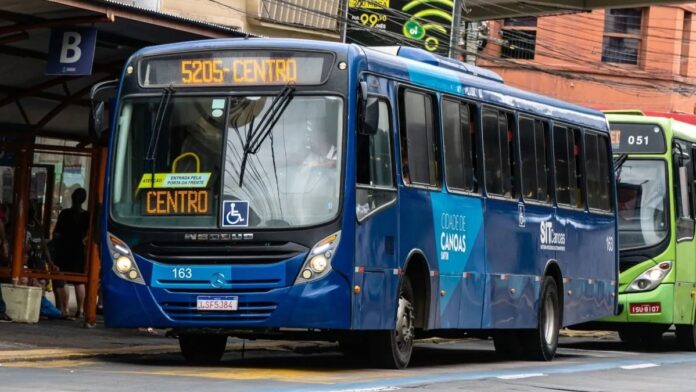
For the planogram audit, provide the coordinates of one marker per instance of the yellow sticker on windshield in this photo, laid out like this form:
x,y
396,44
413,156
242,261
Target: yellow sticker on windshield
x,y
175,181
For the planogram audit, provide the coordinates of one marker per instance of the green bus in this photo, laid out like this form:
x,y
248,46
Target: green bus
x,y
655,163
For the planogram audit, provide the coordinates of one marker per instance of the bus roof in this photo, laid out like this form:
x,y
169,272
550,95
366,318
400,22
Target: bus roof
x,y
672,127
465,80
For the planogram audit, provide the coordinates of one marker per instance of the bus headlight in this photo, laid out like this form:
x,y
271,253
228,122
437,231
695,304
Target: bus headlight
x,y
318,262
124,265
651,278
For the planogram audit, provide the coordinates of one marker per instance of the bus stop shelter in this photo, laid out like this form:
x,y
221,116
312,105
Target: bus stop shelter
x,y
45,148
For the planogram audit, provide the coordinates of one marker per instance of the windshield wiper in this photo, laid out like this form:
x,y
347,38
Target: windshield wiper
x,y
257,135
157,130
619,161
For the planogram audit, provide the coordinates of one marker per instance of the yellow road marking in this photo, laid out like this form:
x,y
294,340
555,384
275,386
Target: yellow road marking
x,y
328,376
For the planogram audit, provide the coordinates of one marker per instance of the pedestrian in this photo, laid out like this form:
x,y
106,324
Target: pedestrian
x,y
4,256
70,235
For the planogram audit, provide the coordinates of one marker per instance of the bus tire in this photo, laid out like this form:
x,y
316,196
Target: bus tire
x,y
507,344
202,349
393,349
541,343
686,337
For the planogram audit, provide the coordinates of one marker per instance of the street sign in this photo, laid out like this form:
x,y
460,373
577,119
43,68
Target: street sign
x,y
71,51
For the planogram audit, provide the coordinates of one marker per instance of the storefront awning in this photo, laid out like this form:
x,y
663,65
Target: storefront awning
x,y
34,103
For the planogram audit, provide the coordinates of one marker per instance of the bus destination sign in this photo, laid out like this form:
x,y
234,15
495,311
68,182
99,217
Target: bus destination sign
x,y
629,138
235,68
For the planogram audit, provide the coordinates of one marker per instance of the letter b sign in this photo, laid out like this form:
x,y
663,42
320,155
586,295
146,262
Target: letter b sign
x,y
71,51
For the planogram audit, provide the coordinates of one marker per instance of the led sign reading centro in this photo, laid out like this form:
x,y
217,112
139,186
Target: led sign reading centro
x,y
241,71
235,68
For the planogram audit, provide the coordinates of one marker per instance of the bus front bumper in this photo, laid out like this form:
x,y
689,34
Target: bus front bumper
x,y
321,304
654,307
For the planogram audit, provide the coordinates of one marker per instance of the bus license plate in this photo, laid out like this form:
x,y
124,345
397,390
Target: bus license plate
x,y
652,307
216,303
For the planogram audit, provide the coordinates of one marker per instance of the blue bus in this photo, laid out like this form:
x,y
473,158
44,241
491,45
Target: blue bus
x,y
274,188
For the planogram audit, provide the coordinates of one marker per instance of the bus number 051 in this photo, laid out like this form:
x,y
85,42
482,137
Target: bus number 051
x,y
182,273
637,140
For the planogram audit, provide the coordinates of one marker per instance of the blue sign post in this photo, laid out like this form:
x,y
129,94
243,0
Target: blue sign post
x,y
71,51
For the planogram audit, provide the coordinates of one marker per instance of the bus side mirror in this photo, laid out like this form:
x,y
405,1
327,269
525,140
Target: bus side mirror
x,y
98,96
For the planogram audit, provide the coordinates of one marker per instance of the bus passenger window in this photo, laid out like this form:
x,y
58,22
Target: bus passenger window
x,y
375,184
575,169
534,170
418,141
560,148
604,173
497,141
597,170
459,139
592,167
541,137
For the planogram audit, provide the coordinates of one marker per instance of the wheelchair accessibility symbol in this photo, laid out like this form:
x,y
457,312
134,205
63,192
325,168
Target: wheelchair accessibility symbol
x,y
235,213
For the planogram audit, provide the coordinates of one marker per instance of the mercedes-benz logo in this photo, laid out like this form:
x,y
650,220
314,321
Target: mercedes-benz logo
x,y
217,280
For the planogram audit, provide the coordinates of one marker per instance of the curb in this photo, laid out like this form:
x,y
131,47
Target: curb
x,y
50,354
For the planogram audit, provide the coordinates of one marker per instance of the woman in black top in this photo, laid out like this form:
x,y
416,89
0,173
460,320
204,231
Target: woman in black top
x,y
70,234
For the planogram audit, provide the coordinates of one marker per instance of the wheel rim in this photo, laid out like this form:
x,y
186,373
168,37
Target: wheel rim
x,y
549,321
404,326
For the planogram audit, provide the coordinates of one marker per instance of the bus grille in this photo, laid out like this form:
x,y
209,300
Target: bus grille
x,y
247,311
219,253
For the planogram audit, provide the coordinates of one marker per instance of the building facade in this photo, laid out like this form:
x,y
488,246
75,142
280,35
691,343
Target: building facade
x,y
314,19
630,58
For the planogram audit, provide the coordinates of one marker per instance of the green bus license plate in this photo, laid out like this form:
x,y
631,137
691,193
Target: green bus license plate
x,y
651,307
217,303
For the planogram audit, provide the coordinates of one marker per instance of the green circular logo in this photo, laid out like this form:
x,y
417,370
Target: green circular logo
x,y
414,30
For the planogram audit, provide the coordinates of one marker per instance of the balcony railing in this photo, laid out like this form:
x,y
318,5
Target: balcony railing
x,y
314,14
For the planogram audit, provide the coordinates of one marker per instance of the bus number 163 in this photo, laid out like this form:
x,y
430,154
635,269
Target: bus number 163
x,y
182,273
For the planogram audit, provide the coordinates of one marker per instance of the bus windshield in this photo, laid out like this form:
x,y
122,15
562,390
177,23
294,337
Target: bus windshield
x,y
642,200
182,175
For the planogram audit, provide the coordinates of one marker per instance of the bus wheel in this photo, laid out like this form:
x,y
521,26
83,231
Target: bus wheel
x,y
202,349
540,344
392,349
686,337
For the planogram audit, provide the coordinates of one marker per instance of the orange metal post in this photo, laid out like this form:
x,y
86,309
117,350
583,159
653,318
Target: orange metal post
x,y
23,175
96,198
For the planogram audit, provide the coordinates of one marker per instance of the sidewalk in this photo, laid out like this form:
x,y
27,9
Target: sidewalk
x,y
59,339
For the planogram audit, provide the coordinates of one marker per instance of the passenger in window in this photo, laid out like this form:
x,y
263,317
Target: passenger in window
x,y
322,150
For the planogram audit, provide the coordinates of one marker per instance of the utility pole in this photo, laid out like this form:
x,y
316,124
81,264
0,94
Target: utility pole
x,y
472,31
455,32
344,30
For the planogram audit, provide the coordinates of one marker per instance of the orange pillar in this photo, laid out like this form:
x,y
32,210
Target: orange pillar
x,y
98,172
23,175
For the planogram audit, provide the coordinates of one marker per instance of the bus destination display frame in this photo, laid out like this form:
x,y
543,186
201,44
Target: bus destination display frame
x,y
236,68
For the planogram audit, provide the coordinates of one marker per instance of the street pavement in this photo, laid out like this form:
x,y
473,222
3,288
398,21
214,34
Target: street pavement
x,y
585,362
